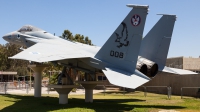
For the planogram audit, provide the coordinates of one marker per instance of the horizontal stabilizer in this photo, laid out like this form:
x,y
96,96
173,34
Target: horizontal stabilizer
x,y
177,71
125,79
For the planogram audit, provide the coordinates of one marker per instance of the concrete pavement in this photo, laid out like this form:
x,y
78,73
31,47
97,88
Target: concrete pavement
x,y
45,91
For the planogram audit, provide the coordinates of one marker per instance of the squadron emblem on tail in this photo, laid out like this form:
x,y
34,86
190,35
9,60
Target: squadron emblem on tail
x,y
135,20
122,40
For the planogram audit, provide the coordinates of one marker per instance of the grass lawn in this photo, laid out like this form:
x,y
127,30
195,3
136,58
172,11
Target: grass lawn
x,y
111,102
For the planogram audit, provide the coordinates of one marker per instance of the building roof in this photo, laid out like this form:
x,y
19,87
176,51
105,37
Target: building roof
x,y
7,73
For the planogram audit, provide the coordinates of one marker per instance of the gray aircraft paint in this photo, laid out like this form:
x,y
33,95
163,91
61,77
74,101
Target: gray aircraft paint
x,y
123,46
155,44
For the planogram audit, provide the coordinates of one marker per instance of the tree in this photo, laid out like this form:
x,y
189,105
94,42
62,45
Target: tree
x,y
88,41
6,64
77,37
67,35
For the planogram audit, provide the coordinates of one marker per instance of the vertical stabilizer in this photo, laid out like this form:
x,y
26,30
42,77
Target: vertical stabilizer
x,y
122,48
155,44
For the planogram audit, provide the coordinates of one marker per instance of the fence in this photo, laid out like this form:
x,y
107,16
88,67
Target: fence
x,y
187,88
5,86
168,90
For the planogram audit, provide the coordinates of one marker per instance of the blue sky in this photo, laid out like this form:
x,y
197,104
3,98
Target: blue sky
x,y
99,19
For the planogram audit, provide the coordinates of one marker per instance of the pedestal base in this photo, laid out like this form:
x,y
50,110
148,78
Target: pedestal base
x,y
89,95
63,98
63,91
38,69
89,86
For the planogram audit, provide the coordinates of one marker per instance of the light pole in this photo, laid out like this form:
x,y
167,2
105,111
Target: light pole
x,y
30,79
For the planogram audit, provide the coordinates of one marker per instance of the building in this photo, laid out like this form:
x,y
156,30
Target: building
x,y
7,76
175,81
190,63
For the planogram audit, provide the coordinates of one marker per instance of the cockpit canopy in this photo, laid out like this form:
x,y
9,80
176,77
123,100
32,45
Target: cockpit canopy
x,y
29,28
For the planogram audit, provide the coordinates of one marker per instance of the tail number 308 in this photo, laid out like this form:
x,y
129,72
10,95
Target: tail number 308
x,y
116,54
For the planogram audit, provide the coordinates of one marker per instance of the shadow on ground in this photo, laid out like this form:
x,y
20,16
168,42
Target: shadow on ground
x,y
45,103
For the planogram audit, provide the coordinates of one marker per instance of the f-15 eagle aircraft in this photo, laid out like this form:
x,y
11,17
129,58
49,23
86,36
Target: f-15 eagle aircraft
x,y
123,59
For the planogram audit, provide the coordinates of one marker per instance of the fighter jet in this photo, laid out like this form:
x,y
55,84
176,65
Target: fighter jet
x,y
123,59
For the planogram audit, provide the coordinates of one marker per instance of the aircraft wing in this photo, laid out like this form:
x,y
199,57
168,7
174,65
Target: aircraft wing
x,y
44,52
124,79
177,71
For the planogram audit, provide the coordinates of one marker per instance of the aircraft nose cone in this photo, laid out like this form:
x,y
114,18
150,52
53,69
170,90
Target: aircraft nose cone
x,y
5,38
8,37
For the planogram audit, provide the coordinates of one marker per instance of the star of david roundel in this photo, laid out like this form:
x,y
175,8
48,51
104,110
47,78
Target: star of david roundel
x,y
135,20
